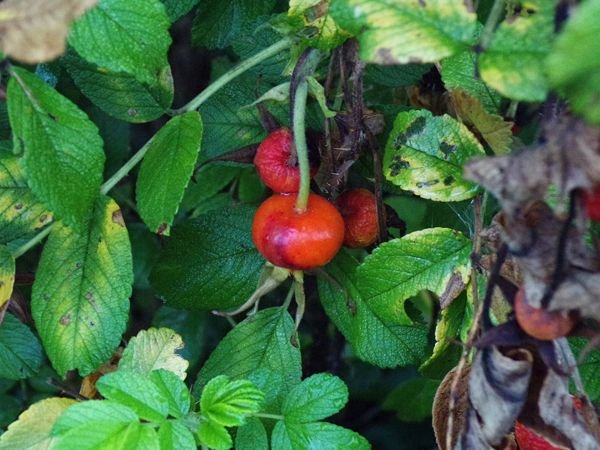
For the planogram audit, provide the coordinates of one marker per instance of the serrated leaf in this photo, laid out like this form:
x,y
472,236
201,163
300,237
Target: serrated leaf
x,y
80,297
209,262
7,274
35,31
460,72
20,212
589,368
130,36
400,268
174,390
251,436
407,31
20,351
317,397
120,94
216,25
376,340
214,436
135,391
496,132
178,8
174,435
425,154
103,424
32,431
262,341
573,64
63,157
152,349
513,63
227,402
173,153
321,435
412,400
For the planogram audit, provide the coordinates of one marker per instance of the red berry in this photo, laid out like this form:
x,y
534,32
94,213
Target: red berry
x,y
359,210
591,200
539,322
297,240
276,165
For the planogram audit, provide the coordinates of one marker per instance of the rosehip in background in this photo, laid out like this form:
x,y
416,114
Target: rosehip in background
x,y
591,201
297,240
276,164
539,322
359,210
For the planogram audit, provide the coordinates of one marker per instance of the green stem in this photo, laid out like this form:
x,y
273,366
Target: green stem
x,y
233,73
511,112
125,168
269,416
490,24
300,144
32,242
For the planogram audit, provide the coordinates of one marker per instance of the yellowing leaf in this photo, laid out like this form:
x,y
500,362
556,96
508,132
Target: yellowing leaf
x,y
32,430
33,31
492,127
7,274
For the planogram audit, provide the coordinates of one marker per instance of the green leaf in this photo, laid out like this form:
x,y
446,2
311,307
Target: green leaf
x,y
7,275
513,63
380,341
80,297
425,155
573,66
20,351
174,390
20,212
589,368
32,430
11,407
406,32
178,8
262,341
120,94
412,401
321,435
217,24
252,436
135,391
102,424
317,397
63,157
396,75
214,436
174,435
190,326
172,154
459,72
130,36
209,262
227,402
401,268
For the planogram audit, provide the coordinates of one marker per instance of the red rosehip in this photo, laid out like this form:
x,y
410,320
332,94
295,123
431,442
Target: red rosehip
x,y
539,322
297,240
359,210
276,165
591,201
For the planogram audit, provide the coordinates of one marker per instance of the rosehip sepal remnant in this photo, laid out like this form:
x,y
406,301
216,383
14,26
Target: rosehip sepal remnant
x,y
359,210
539,322
276,165
297,240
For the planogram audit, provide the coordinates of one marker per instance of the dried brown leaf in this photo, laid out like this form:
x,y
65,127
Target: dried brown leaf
x,y
441,407
35,31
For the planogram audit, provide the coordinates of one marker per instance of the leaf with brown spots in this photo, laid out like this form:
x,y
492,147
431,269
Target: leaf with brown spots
x,y
35,31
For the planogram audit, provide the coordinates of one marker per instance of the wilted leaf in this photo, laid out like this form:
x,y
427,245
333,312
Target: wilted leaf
x,y
35,31
441,407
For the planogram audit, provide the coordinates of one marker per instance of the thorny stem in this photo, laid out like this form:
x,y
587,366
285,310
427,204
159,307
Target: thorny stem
x,y
490,24
192,105
233,73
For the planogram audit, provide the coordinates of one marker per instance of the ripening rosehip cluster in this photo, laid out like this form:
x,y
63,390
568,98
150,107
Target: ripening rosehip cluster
x,y
303,240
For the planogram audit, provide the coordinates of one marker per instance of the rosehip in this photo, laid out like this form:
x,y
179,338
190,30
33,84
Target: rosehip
x,y
591,200
539,322
297,240
359,210
276,166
